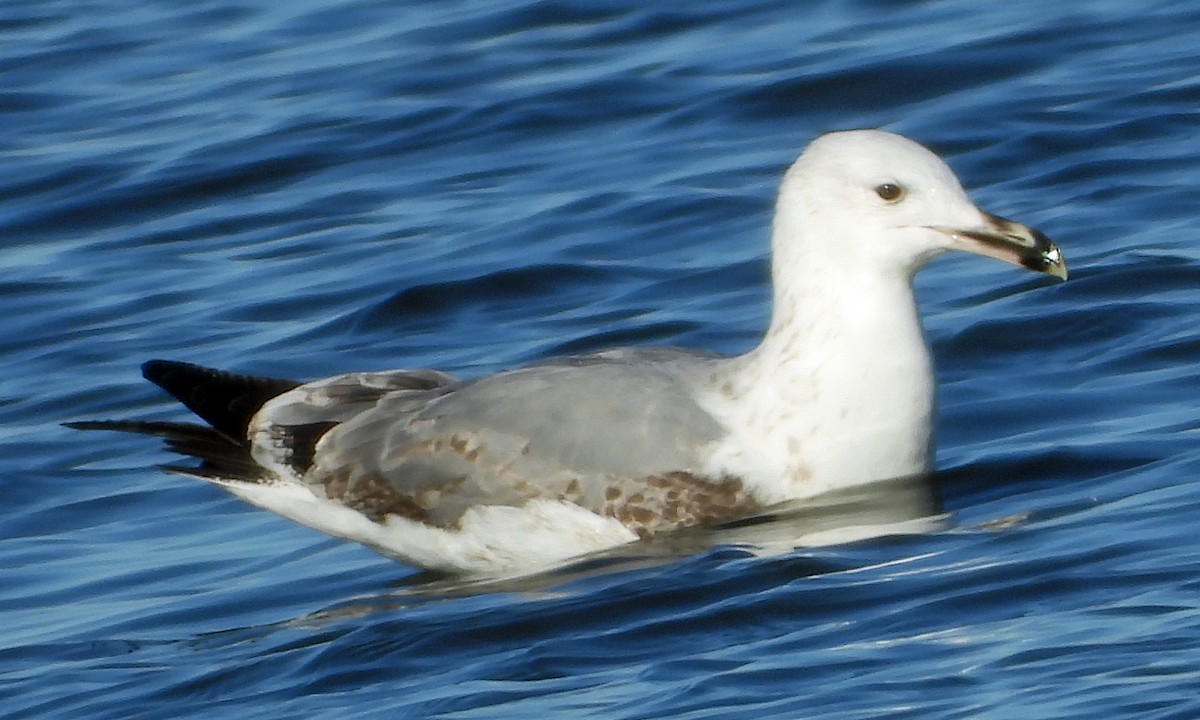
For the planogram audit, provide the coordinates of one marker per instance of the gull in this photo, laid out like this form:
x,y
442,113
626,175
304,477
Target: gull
x,y
526,468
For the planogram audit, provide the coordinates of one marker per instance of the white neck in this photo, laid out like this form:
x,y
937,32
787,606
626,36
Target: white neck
x,y
841,390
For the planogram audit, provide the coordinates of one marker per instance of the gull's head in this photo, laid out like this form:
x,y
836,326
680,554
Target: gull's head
x,y
880,202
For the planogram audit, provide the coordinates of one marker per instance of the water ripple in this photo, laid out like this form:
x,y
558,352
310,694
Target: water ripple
x,y
335,185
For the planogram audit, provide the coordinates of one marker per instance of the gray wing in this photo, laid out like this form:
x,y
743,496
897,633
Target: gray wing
x,y
616,432
285,432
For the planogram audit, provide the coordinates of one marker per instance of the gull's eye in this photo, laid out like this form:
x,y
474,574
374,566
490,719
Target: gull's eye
x,y
891,192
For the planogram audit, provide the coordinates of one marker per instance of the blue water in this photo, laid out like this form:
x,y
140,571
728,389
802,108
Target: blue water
x,y
321,186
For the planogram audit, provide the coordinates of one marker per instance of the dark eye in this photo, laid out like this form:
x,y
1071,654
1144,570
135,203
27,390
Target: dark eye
x,y
890,192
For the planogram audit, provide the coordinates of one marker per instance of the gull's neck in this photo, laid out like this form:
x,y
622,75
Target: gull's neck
x,y
840,390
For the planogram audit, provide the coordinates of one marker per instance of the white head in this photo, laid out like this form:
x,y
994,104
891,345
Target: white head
x,y
877,202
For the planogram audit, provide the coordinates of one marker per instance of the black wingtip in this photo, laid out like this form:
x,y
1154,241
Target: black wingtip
x,y
224,400
152,369
168,373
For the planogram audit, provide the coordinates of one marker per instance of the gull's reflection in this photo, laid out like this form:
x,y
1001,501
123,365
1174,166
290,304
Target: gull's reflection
x,y
903,506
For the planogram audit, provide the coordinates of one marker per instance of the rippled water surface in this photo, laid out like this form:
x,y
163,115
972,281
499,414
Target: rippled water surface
x,y
320,186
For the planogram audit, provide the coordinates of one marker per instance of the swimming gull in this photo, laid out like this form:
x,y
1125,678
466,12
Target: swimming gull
x,y
522,469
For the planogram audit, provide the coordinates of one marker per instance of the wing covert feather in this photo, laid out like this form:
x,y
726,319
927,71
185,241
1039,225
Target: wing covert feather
x,y
564,430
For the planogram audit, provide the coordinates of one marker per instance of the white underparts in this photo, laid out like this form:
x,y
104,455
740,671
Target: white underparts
x,y
493,540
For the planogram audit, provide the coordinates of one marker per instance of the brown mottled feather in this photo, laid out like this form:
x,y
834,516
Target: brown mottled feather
x,y
675,500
